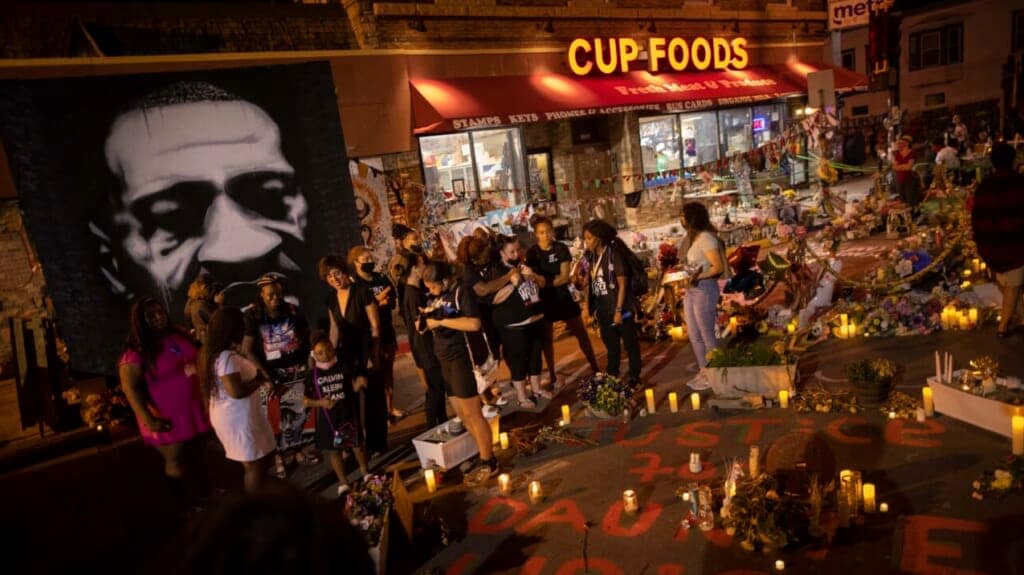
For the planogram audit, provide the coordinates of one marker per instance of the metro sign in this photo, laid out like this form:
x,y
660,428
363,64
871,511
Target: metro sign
x,y
619,55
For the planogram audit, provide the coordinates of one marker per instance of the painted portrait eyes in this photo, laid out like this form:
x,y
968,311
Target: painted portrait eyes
x,y
263,193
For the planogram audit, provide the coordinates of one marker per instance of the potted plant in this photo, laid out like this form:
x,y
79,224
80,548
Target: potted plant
x,y
605,395
871,379
751,368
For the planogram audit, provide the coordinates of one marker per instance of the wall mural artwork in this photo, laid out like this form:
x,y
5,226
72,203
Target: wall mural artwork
x,y
371,192
132,185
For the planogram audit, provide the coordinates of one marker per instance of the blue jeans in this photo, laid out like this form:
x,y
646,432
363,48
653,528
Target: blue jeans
x,y
701,308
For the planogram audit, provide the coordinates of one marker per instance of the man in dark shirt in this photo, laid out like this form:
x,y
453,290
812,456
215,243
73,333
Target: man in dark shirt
x,y
997,217
414,297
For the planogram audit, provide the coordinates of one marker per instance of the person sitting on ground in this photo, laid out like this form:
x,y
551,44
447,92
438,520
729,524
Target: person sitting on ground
x,y
331,392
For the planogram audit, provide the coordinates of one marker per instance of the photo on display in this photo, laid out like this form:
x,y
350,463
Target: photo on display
x,y
132,185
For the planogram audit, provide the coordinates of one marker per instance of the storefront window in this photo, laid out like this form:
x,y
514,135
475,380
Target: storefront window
x,y
767,123
448,172
736,130
700,138
499,168
659,145
538,166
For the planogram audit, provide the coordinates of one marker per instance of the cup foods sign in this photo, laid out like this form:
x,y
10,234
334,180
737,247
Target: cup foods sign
x,y
620,55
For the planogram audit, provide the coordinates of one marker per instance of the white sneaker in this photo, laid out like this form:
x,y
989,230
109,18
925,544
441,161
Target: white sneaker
x,y
343,489
490,411
699,383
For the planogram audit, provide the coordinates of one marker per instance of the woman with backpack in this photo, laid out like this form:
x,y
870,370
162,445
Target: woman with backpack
x,y
611,299
706,253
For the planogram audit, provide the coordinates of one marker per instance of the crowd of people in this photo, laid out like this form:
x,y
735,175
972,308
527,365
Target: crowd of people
x,y
496,302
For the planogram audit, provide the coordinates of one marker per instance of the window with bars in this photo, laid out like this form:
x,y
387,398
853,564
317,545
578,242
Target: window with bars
x,y
937,47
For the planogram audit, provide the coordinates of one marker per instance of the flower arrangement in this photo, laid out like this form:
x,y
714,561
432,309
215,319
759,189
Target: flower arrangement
x,y
605,393
746,355
368,505
759,517
668,255
104,408
900,404
871,379
822,401
1001,480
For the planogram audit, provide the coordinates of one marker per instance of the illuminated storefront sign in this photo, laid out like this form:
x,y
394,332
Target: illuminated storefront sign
x,y
620,55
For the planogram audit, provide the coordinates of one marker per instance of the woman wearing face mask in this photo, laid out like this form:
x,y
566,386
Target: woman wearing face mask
x,y
408,250
414,297
355,332
231,385
157,372
552,261
609,299
701,303
384,292
450,315
276,340
331,392
520,319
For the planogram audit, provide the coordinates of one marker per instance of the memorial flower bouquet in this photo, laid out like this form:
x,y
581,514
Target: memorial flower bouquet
x,y
368,505
755,354
759,518
605,394
1001,480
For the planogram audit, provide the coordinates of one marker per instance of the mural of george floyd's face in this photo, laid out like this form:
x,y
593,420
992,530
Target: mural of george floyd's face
x,y
205,187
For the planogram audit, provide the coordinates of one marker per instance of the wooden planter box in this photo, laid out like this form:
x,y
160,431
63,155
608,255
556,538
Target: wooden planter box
x,y
379,553
974,409
762,380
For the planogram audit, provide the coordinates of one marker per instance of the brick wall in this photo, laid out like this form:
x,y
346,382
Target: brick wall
x,y
55,30
21,279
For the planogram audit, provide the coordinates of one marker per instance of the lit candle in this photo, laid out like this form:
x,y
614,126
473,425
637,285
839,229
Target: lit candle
x,y
536,493
791,328
673,402
869,497
504,484
892,415
965,285
650,400
964,322
754,460
975,264
695,400
732,325
780,565
967,273
783,398
983,266
929,403
883,507
843,318
972,315
851,330
431,480
504,440
566,415
881,274
629,502
686,496
495,423
1017,426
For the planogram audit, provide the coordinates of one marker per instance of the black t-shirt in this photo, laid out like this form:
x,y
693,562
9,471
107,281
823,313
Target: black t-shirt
x,y
456,302
522,304
422,344
549,264
281,342
604,287
355,338
334,383
378,284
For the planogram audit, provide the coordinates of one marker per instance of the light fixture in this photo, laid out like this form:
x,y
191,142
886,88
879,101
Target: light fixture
x,y
418,24
549,26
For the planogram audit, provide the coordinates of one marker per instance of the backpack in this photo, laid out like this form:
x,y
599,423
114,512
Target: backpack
x,y
635,269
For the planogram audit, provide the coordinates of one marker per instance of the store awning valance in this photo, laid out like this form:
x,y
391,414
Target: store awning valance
x,y
445,105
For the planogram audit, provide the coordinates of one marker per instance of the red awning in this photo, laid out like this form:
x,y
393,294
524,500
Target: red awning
x,y
462,103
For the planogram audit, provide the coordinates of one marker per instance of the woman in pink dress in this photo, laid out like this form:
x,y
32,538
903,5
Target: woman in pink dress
x,y
157,371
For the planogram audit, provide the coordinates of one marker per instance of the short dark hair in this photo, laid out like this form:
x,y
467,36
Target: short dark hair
x,y
399,231
540,220
318,336
330,262
1003,156
696,218
438,272
939,142
601,230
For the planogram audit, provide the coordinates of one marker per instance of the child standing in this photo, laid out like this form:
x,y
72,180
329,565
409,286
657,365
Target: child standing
x,y
332,393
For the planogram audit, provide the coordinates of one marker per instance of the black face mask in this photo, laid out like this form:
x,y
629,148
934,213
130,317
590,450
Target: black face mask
x,y
416,249
366,268
513,262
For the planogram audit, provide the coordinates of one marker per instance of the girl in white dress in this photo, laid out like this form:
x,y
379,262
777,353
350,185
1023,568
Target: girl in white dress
x,y
231,382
